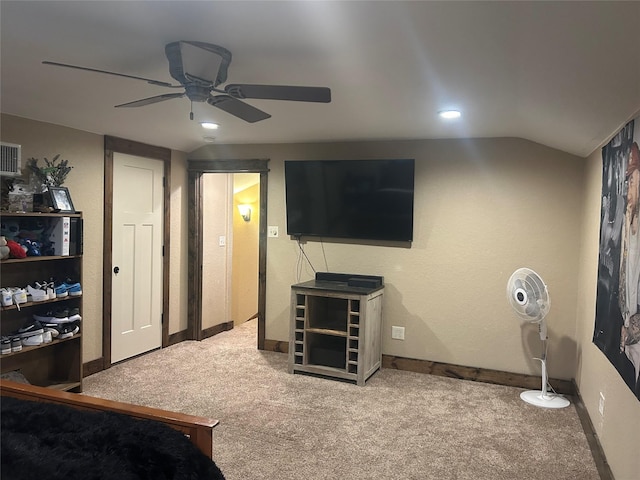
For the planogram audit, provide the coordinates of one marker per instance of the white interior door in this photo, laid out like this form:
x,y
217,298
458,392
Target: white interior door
x,y
136,302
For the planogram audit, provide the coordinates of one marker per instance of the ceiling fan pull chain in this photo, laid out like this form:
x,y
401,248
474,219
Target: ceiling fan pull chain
x,y
191,112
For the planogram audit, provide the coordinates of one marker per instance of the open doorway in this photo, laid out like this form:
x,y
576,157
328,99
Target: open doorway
x,y
230,238
245,215
203,243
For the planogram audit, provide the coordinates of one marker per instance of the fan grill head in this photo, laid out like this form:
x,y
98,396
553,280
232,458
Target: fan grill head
x,y
528,295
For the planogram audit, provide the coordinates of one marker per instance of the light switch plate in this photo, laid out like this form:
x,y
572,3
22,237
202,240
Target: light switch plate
x,y
397,333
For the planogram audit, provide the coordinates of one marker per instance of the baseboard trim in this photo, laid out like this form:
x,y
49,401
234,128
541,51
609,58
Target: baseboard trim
x,y
177,337
216,329
93,366
276,346
592,437
498,377
474,374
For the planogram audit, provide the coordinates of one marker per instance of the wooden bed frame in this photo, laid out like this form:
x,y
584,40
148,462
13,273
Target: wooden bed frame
x,y
198,429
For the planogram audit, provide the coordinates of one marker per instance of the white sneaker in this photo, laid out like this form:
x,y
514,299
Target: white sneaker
x,y
16,344
33,340
6,297
50,291
19,295
47,287
46,336
6,345
50,330
36,294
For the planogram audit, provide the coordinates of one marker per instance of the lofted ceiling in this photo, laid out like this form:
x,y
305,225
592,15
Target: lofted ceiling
x,y
564,74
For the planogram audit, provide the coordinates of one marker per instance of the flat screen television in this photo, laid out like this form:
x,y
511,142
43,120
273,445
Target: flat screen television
x,y
356,199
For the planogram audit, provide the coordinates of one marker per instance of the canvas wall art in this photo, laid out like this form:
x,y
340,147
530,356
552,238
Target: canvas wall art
x,y
617,324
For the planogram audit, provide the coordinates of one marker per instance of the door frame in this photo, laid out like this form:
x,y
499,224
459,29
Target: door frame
x,y
129,147
196,168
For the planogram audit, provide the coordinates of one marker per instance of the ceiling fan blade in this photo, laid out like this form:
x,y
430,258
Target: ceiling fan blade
x,y
87,69
150,100
237,108
280,92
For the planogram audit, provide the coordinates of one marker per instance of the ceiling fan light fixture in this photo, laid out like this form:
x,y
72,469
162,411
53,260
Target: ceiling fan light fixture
x,y
449,114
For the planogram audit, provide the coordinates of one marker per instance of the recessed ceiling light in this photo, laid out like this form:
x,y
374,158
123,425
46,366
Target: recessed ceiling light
x,y
449,114
209,125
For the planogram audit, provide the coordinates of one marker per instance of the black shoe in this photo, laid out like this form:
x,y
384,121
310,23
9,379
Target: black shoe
x,y
33,328
67,330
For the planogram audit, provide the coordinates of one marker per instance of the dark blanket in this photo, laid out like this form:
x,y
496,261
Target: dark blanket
x,y
46,441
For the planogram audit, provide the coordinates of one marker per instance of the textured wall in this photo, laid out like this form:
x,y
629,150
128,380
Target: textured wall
x,y
482,209
85,152
618,427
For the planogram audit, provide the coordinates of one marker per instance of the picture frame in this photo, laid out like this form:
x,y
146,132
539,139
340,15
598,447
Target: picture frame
x,y
61,200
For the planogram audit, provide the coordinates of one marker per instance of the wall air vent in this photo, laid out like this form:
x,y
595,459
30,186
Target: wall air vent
x,y
10,159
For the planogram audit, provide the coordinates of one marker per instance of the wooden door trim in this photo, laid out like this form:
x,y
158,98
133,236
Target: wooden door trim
x,y
194,246
129,147
196,169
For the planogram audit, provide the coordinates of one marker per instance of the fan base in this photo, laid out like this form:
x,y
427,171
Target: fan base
x,y
535,397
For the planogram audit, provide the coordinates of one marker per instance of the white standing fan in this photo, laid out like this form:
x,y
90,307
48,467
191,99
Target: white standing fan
x,y
528,296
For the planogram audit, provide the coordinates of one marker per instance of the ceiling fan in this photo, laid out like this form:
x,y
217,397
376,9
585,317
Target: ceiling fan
x,y
200,68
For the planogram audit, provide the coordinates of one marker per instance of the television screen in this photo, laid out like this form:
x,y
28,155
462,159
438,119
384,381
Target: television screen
x,y
358,199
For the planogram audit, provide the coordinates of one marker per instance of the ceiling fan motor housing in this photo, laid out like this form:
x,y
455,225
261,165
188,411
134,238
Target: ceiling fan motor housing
x,y
197,62
197,93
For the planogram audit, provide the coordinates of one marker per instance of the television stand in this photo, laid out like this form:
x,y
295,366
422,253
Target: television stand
x,y
336,326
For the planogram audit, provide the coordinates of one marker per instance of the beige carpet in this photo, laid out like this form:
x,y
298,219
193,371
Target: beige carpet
x,y
401,425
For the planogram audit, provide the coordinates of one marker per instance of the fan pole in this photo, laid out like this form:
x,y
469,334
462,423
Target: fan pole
x,y
545,377
541,398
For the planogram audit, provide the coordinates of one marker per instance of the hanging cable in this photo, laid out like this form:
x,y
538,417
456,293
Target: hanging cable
x,y
305,256
324,255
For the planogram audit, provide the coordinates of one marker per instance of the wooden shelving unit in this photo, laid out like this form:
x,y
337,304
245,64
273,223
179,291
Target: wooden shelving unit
x,y
57,364
336,328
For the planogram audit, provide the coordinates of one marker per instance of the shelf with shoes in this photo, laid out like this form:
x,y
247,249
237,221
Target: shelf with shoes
x,y
57,361
53,342
35,304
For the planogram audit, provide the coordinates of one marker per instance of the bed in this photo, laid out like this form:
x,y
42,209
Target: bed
x,y
61,435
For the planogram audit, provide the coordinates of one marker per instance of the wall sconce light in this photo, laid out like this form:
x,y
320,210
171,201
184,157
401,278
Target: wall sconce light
x,y
245,211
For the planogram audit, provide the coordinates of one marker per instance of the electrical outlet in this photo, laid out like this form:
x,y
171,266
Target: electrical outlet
x,y
601,404
272,231
397,333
